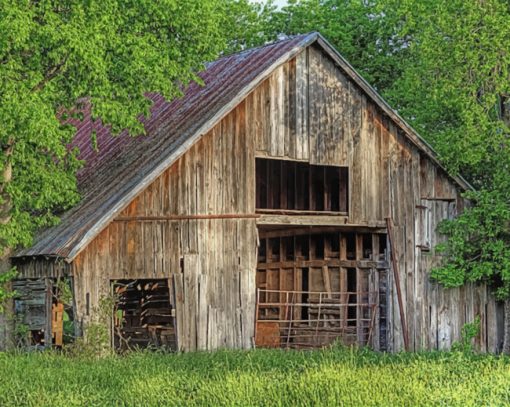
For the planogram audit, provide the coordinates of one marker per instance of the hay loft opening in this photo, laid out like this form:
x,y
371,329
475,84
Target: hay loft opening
x,y
289,186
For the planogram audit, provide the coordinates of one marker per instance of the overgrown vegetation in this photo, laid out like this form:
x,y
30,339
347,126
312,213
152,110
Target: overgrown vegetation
x,y
95,343
55,53
262,377
5,291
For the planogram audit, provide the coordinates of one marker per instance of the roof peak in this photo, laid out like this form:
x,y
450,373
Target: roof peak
x,y
284,38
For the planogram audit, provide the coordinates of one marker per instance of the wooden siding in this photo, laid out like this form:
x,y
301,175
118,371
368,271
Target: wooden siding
x,y
42,267
306,110
211,262
335,123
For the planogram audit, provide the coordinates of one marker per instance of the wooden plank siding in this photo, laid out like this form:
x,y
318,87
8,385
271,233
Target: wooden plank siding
x,y
388,177
306,110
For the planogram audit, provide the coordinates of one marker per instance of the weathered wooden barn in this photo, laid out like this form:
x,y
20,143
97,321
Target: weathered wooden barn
x,y
262,209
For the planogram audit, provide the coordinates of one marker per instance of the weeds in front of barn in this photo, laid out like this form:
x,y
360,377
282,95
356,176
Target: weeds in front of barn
x,y
336,376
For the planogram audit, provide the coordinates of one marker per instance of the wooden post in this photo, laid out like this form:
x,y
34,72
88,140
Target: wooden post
x,y
318,318
48,305
257,304
397,283
290,319
327,281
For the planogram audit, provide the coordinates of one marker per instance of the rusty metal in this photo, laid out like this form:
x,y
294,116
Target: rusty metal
x,y
322,326
185,217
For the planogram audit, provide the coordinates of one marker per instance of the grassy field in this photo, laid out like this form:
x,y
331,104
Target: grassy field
x,y
263,377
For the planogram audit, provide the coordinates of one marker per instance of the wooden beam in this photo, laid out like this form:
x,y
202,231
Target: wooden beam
x,y
362,264
397,283
327,281
311,220
439,198
286,231
299,212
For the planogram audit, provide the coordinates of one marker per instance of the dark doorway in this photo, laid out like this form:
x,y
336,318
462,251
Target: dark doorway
x,y
144,314
314,289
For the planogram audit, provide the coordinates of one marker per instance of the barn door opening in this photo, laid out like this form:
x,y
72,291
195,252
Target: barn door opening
x,y
144,314
43,312
317,289
32,309
62,312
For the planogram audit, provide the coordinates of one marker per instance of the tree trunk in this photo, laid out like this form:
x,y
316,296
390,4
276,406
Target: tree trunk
x,y
6,323
6,318
506,338
6,176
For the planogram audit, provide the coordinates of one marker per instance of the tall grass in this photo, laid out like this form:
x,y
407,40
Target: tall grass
x,y
331,377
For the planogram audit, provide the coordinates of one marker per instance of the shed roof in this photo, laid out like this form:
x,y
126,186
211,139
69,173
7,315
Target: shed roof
x,y
123,166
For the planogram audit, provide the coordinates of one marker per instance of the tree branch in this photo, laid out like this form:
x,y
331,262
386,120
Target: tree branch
x,y
50,74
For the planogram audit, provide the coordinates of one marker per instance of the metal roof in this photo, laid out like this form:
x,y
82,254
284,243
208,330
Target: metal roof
x,y
123,166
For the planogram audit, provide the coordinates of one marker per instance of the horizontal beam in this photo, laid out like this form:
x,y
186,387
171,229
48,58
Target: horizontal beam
x,y
367,264
186,217
439,198
298,212
313,220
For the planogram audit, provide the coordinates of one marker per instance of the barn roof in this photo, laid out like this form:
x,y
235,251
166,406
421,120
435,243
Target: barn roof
x,y
121,167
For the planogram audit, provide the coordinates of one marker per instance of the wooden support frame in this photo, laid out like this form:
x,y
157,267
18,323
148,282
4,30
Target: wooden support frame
x,y
301,281
394,263
326,324
144,314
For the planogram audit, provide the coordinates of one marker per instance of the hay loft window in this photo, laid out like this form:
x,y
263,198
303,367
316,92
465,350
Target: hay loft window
x,y
296,186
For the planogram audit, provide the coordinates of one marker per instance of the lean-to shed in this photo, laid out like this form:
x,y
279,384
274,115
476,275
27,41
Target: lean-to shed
x,y
262,209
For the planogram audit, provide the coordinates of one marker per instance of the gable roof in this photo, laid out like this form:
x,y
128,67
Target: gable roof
x,y
124,166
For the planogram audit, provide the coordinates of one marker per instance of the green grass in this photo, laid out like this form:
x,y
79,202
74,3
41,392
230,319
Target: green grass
x,y
262,377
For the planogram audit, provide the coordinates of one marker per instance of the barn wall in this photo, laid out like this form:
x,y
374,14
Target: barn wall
x,y
42,267
210,261
308,110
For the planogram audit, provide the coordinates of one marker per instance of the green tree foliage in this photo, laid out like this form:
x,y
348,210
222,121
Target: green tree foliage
x,y
52,53
249,24
455,84
358,29
478,245
5,292
455,90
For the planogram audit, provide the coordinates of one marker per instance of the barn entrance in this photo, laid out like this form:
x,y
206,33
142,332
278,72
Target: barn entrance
x,y
319,286
144,314
43,312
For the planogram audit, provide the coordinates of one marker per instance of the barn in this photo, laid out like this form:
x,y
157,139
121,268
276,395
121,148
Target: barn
x,y
282,204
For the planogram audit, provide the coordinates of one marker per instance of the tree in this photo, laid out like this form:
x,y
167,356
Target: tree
x,y
52,54
454,83
5,293
358,29
249,24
